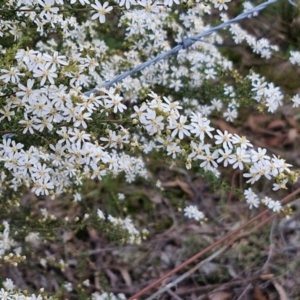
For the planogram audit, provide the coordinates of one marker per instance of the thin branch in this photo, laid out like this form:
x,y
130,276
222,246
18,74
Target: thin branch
x,y
188,273
217,243
244,292
173,295
272,247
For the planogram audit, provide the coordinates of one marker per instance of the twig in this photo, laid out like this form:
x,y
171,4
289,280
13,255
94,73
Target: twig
x,y
216,287
244,292
215,244
187,274
272,246
174,296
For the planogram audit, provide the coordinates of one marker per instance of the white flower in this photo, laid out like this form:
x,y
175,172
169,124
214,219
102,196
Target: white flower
x,y
114,100
170,2
205,110
210,73
78,136
223,138
41,124
241,141
55,59
9,148
80,119
154,124
33,238
46,72
256,171
176,84
209,159
296,100
259,87
4,295
156,102
221,4
40,171
180,128
224,156
196,117
102,10
7,113
68,286
173,149
249,6
217,104
26,93
111,139
266,200
201,127
127,3
280,185
149,7
198,149
281,165
86,283
192,212
240,157
253,202
230,114
275,206
259,155
42,186
77,197
97,172
8,284
229,90
140,112
11,75
295,57
251,198
48,9
121,196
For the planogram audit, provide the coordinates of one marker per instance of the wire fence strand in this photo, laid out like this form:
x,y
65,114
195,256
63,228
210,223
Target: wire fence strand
x,y
187,42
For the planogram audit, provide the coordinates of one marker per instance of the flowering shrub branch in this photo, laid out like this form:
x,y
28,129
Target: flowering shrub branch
x,y
67,116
